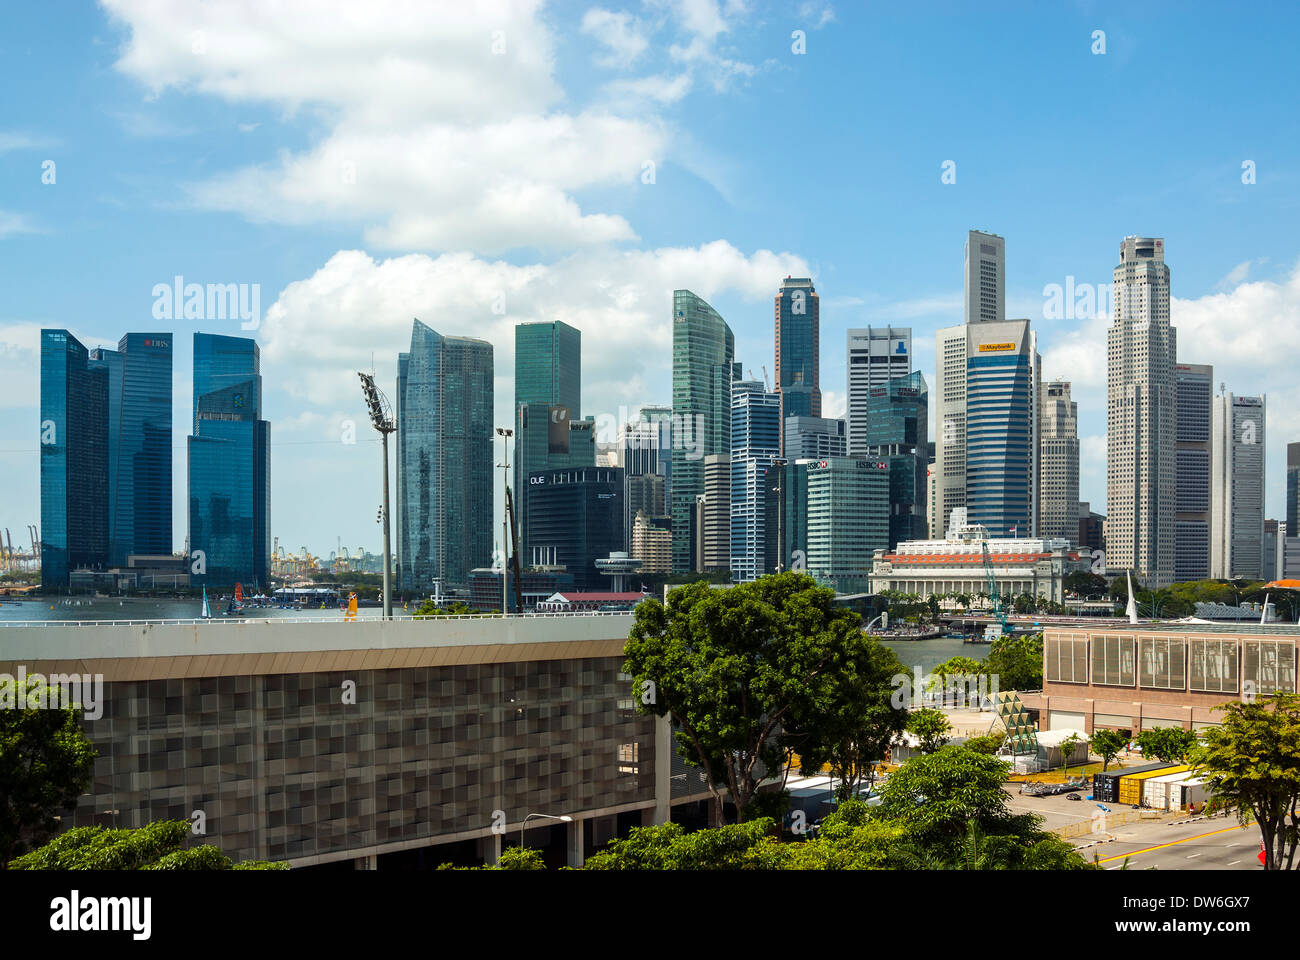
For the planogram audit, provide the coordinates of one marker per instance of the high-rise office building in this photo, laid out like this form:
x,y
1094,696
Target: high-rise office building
x,y
1274,534
897,424
229,466
139,445
848,520
575,517
1193,388
647,443
703,367
74,459
1237,438
1141,424
798,349
785,503
714,519
652,543
549,429
1293,489
755,444
986,405
814,437
444,459
1059,463
985,278
873,356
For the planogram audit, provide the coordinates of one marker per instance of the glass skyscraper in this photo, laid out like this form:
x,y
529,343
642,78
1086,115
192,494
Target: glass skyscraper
x,y
74,459
895,431
755,444
444,459
139,445
229,465
704,352
549,429
798,333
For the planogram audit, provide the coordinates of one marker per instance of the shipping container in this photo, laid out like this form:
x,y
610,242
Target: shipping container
x,y
1159,791
1130,784
1195,791
1105,786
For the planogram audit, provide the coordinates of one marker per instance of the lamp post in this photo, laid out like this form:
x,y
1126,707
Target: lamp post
x,y
505,433
381,418
541,816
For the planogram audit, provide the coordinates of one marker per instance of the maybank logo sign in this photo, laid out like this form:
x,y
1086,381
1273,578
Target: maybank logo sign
x,y
996,347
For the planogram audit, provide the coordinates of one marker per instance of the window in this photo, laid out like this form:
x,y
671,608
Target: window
x,y
1112,661
1213,665
1162,663
1269,665
1067,659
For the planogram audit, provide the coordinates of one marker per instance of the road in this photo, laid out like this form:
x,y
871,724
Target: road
x,y
1201,845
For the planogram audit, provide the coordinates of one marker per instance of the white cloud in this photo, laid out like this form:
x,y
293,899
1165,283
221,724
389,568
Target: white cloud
x,y
17,140
623,36
14,223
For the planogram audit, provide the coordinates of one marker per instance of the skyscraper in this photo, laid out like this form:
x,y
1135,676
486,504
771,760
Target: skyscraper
x,y
139,445
1193,388
1059,459
703,368
1293,490
229,465
814,437
74,459
1140,417
1237,487
986,281
786,524
549,429
897,424
755,444
874,356
848,520
444,459
798,349
714,519
986,398
575,517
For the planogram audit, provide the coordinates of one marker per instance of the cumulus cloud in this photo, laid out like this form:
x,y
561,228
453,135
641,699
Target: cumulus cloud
x,y
622,35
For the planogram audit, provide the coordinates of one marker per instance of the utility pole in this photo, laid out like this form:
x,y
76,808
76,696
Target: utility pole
x,y
381,418
505,433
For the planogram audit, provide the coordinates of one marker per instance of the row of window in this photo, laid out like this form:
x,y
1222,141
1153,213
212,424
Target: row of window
x,y
1202,665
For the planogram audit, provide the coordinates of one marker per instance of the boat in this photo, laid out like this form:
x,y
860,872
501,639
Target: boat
x,y
206,614
237,602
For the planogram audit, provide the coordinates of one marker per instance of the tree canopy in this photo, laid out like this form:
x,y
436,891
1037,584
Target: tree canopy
x,y
158,846
1170,744
1017,662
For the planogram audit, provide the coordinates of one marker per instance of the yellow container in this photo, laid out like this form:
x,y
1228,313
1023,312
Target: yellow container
x,y
1130,787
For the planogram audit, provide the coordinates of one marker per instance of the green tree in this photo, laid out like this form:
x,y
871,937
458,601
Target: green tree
x,y
668,847
1170,744
931,727
744,673
1017,662
988,745
853,730
1067,748
1253,761
1108,743
158,846
1089,586
457,609
46,763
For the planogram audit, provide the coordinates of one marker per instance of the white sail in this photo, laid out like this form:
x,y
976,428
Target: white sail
x,y
1132,600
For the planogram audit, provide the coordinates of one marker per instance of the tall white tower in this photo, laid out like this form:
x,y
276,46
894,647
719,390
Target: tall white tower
x,y
1237,487
1140,416
874,356
1059,463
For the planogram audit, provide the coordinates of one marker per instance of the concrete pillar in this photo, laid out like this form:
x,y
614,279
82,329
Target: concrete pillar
x,y
489,848
367,863
663,769
649,816
577,855
602,830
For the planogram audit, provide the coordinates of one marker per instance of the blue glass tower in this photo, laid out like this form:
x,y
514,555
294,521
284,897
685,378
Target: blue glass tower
x,y
229,465
896,429
798,348
444,459
74,459
139,445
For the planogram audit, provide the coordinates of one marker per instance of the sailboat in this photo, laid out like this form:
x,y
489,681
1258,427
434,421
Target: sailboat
x,y
207,612
351,612
237,602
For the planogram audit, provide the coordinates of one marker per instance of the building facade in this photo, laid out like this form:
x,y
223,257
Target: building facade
x,y
652,543
814,438
1193,386
444,460
985,277
848,520
1141,425
704,352
74,460
229,466
714,518
785,504
755,444
1237,487
575,516
897,423
873,356
1059,459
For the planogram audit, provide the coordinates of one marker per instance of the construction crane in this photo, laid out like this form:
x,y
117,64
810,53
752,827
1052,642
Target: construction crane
x,y
766,388
996,597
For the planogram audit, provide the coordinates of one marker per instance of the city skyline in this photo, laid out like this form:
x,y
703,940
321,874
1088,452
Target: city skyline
x,y
343,265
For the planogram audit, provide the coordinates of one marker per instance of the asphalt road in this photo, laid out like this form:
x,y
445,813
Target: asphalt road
x,y
1214,844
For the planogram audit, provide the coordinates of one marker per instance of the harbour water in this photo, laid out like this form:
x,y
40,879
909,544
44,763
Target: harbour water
x,y
928,654
113,608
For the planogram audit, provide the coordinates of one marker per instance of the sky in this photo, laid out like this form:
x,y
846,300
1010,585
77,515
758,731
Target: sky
x,y
479,165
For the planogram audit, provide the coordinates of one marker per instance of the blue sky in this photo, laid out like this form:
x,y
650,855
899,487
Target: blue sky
x,y
378,163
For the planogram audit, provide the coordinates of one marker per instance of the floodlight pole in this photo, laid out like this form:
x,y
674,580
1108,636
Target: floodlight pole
x,y
381,419
388,546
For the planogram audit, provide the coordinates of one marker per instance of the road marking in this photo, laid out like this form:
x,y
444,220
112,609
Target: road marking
x,y
1172,843
1234,863
1192,856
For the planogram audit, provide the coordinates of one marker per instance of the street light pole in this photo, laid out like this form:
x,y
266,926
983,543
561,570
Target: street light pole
x,y
381,418
541,816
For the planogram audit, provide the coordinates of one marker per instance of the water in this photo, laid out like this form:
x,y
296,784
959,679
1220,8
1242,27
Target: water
x,y
928,654
112,608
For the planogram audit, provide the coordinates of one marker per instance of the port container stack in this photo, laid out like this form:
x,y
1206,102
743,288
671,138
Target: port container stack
x,y
1106,786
